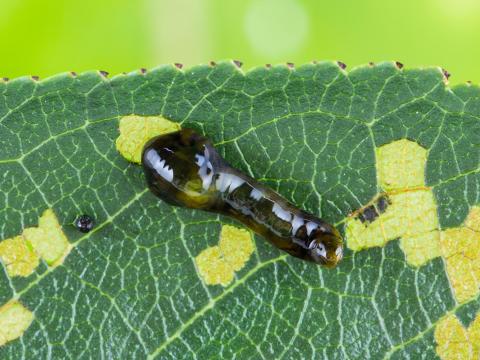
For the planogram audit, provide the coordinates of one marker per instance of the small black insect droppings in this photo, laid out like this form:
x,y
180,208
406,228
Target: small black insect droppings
x,y
73,73
398,64
5,79
84,223
371,63
469,82
382,204
143,71
238,63
290,65
368,214
446,74
103,73
178,65
35,77
341,65
213,63
372,212
314,62
268,66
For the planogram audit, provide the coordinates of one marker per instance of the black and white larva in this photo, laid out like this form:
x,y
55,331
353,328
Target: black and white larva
x,y
184,169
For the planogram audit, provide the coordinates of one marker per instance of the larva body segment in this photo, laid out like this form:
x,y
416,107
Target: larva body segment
x,y
184,169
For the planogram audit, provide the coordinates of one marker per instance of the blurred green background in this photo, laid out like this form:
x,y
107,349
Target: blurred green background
x,y
46,37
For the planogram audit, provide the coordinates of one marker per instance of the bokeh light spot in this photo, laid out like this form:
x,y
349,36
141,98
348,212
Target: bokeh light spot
x,y
459,8
276,27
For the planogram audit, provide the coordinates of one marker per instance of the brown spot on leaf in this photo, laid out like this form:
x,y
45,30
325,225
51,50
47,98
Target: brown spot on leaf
x,y
446,74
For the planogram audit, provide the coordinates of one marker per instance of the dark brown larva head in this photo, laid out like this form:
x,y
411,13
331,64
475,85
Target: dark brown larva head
x,y
326,247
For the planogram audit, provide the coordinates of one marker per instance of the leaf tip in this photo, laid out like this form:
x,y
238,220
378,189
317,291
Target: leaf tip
x,y
399,65
341,65
238,63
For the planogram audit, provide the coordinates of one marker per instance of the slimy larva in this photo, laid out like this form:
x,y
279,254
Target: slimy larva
x,y
184,169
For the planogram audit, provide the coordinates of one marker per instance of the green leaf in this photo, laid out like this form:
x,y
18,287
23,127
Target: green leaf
x,y
130,287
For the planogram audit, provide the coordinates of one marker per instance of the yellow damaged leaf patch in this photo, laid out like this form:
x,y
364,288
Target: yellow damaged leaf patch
x,y
48,239
18,257
410,211
21,254
136,130
14,320
218,264
401,165
461,250
407,210
455,342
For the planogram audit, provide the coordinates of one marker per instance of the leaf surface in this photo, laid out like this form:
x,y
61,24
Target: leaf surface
x,y
130,287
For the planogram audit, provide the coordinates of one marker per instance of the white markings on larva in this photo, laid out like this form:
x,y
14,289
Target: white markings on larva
x,y
321,250
339,252
206,169
199,160
256,194
159,165
296,223
228,182
310,227
281,213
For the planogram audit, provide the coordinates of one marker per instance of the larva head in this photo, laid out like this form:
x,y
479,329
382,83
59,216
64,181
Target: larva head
x,y
326,246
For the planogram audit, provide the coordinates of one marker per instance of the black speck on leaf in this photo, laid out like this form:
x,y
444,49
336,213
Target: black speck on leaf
x,y
398,64
178,65
143,71
382,204
238,63
103,73
369,214
35,77
342,65
290,65
84,223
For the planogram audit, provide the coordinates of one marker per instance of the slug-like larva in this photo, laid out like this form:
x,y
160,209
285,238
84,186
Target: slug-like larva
x,y
184,169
